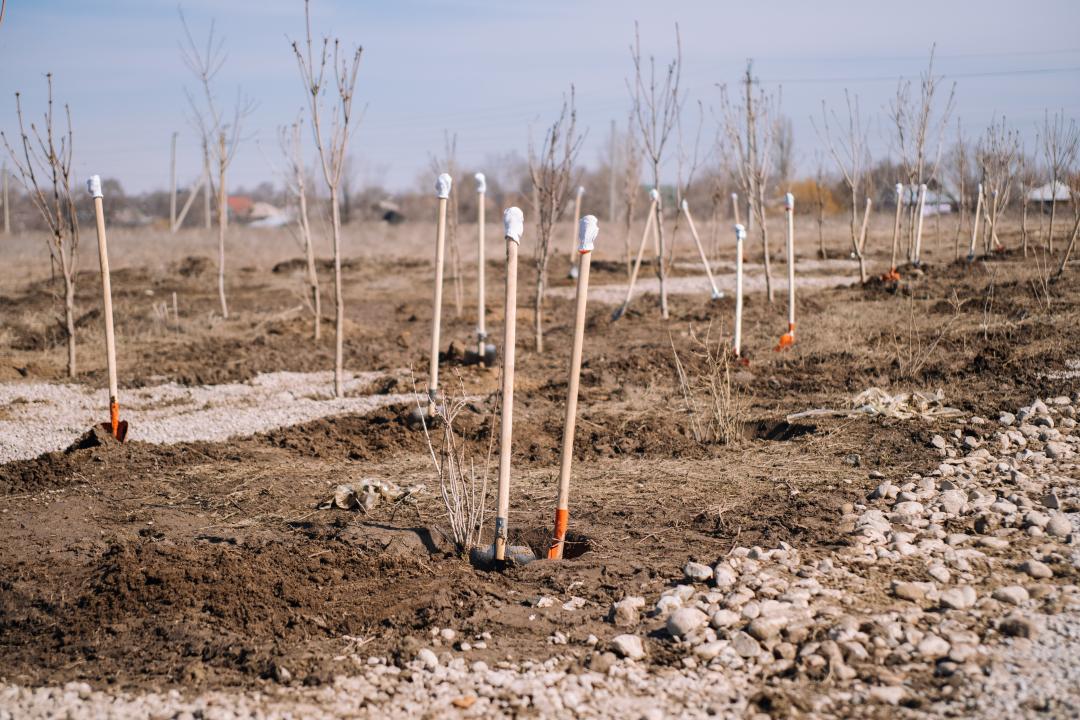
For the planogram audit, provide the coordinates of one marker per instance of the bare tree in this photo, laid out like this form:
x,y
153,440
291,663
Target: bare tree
x,y
332,146
43,163
296,183
1060,144
551,171
998,155
631,187
448,164
220,138
784,148
656,105
846,142
753,153
920,124
819,202
959,166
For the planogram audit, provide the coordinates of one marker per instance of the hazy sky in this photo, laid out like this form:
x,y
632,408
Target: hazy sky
x,y
489,70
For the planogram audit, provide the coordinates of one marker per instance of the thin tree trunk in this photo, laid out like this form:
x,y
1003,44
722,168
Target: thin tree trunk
x,y
538,310
1053,211
309,251
223,213
660,272
1072,244
339,302
69,318
764,231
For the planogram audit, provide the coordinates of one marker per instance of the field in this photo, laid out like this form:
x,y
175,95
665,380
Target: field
x,y
858,563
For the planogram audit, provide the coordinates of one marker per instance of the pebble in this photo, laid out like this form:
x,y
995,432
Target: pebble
x,y
1036,569
933,647
744,644
1012,594
959,598
697,572
1059,525
685,621
628,646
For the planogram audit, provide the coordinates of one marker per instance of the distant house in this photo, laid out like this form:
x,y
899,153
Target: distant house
x,y
1050,192
256,213
938,202
240,207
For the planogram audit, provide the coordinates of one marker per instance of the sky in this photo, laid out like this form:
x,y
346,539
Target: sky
x,y
494,71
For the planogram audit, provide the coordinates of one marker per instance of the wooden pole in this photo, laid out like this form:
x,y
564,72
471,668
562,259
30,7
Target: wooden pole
x,y
481,331
223,222
919,224
650,218
975,224
862,242
788,338
586,235
893,275
172,184
716,294
574,243
442,189
209,189
192,194
740,238
94,186
513,222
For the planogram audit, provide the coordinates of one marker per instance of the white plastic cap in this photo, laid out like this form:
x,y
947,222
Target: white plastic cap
x,y
980,187
685,205
899,189
740,233
789,201
442,185
734,196
93,186
922,188
481,183
513,224
588,229
580,190
654,195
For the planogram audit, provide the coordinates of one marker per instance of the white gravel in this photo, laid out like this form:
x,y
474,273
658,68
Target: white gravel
x,y
36,418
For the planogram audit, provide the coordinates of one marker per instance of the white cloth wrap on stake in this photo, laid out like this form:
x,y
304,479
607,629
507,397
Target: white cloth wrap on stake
x,y
899,192
685,206
654,195
789,201
93,186
587,231
580,190
442,185
481,183
740,232
513,224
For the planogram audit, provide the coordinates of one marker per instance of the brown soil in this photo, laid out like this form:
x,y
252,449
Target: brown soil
x,y
209,564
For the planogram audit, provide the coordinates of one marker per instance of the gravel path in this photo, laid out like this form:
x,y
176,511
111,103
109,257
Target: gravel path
x,y
36,418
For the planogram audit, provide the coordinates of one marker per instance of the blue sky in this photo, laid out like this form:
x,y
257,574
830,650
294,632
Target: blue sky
x,y
489,70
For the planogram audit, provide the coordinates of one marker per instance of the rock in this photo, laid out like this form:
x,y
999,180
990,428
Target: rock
x,y
1017,626
744,645
953,501
626,612
428,658
959,598
913,591
1051,501
883,490
697,572
628,646
574,603
1037,519
725,618
449,634
281,673
1006,418
1036,569
888,694
933,647
723,576
939,573
1055,450
602,662
766,628
684,621
1012,594
1059,525
710,650
909,508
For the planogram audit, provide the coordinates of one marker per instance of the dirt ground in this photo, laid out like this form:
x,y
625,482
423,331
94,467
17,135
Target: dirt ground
x,y
206,565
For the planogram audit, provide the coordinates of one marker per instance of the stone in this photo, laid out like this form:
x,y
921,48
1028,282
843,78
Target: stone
x,y
1006,418
939,573
958,598
725,618
626,612
710,650
1017,626
909,508
913,591
933,647
428,658
628,646
685,621
888,694
1012,594
744,644
1051,501
697,572
938,442
1059,525
1036,518
1055,450
602,662
766,628
953,501
1036,569
723,576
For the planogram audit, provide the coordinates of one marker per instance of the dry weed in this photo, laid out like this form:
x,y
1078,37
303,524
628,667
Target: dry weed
x,y
714,403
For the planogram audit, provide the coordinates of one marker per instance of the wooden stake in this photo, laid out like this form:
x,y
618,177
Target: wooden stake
x,y
740,238
442,189
574,240
192,194
650,218
223,222
788,338
94,187
481,332
975,224
893,274
919,223
587,232
716,294
513,222
172,183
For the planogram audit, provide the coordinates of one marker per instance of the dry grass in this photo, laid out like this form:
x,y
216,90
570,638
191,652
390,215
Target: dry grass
x,y
714,404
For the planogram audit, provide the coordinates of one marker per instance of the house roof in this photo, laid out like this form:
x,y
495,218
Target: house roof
x,y
1050,191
